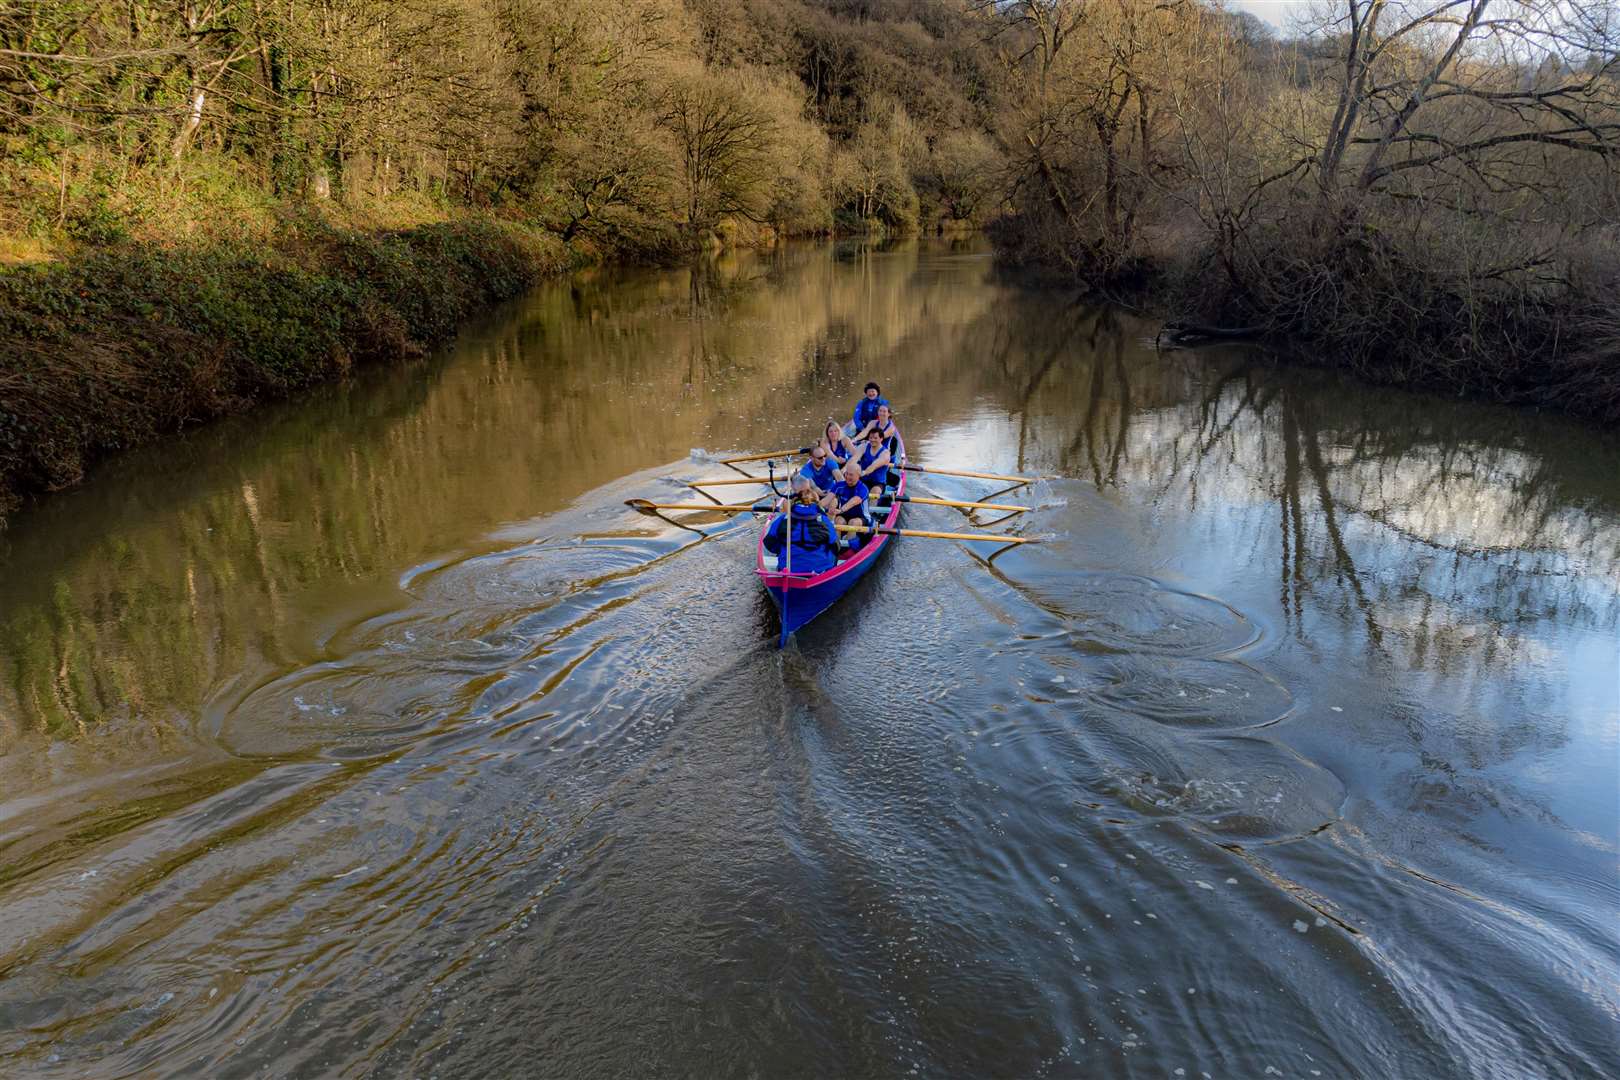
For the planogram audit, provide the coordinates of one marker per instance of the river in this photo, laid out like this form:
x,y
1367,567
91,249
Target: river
x,y
373,735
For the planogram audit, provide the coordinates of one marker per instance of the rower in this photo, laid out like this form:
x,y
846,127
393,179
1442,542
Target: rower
x,y
837,440
812,536
874,460
847,504
866,408
843,447
820,469
884,422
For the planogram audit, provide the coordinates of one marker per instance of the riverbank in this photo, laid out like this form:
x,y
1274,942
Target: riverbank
x,y
1392,317
111,347
1399,314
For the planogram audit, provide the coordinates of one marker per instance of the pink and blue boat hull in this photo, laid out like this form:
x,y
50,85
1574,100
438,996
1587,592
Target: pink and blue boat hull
x,y
799,598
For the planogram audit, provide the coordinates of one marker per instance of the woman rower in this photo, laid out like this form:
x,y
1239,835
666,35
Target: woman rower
x,y
867,407
884,422
838,442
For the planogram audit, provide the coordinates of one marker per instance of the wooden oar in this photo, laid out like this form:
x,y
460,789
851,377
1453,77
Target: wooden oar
x,y
648,507
644,506
975,475
903,498
931,535
734,480
965,505
762,457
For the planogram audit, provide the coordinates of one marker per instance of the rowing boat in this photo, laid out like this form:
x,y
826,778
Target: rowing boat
x,y
801,597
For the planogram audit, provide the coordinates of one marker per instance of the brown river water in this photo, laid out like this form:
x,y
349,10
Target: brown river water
x,y
372,735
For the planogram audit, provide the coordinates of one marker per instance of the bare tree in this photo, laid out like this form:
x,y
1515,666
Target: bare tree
x,y
1089,116
725,140
1436,91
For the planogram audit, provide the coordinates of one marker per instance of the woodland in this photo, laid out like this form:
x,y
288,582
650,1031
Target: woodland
x,y
1422,191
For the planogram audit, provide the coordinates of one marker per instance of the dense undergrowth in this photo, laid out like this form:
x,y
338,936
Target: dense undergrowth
x,y
1400,314
114,346
1392,313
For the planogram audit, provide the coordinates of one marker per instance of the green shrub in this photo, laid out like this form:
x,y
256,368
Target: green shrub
x,y
98,224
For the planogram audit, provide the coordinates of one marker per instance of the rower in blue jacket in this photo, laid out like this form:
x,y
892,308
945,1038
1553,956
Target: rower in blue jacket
x,y
866,408
806,527
848,504
821,469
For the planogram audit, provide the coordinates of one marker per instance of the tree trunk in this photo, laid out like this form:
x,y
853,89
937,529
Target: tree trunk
x,y
192,122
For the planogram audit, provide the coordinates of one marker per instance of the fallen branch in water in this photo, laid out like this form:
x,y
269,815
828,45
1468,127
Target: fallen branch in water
x,y
1183,335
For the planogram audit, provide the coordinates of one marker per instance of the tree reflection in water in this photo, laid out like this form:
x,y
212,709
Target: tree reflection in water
x,y
196,549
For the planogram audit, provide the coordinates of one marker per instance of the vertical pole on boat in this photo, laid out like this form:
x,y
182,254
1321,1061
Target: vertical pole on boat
x,y
787,554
